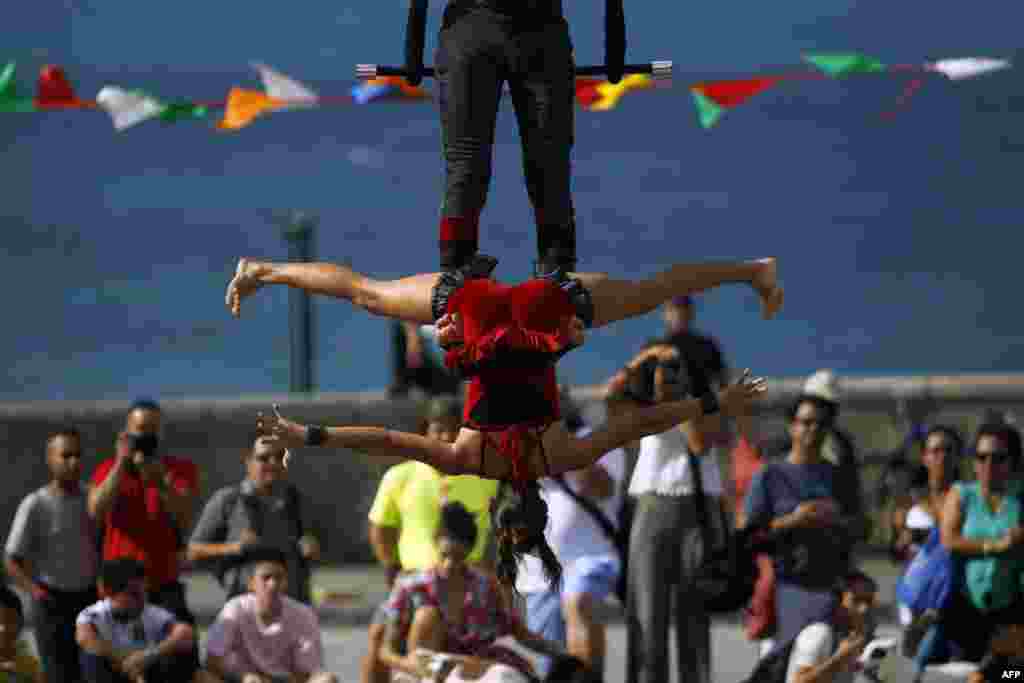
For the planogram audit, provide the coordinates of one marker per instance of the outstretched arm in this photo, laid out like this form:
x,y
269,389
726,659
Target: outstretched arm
x,y
456,458
629,425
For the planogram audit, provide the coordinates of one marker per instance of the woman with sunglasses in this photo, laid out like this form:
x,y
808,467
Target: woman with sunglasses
x,y
982,526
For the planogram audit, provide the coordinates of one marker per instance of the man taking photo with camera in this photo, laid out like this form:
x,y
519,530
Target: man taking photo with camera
x,y
143,501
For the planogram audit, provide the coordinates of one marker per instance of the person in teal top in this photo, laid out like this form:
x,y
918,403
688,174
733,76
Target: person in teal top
x,y
983,526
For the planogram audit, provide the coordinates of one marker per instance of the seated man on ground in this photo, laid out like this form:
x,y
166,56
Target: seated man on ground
x,y
829,651
264,636
123,639
15,661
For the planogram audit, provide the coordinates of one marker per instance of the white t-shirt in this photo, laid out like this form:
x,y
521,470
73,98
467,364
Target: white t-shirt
x,y
662,467
572,532
152,626
813,646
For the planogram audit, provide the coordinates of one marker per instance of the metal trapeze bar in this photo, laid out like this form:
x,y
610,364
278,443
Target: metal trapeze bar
x,y
657,69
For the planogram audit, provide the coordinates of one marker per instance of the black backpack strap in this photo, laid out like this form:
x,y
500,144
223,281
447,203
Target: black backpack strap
x,y
294,509
700,500
593,510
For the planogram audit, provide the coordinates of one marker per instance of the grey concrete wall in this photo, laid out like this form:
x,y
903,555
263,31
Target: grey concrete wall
x,y
339,485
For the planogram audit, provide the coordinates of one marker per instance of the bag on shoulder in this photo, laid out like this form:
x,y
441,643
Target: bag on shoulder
x,y
772,667
930,578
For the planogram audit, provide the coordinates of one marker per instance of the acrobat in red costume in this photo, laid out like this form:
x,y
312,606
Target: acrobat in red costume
x,y
510,339
507,340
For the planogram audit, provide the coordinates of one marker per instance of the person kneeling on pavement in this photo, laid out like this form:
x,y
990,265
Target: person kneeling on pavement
x,y
454,609
123,639
829,650
264,636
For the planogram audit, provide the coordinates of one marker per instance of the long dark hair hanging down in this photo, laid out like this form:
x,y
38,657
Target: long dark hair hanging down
x,y
522,507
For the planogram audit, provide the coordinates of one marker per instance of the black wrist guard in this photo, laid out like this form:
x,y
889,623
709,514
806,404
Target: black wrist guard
x,y
709,403
315,435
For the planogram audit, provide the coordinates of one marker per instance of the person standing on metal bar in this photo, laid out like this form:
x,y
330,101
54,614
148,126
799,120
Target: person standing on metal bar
x,y
482,45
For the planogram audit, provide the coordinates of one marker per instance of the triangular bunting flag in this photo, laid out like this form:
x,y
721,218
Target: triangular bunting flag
x,y
243,106
967,67
586,91
712,97
387,87
183,111
844,64
54,91
708,112
609,94
9,99
280,87
128,108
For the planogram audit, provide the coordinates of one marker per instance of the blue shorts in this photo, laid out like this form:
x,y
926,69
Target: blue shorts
x,y
595,576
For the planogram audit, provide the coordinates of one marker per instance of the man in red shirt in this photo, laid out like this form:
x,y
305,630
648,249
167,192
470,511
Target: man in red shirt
x,y
144,502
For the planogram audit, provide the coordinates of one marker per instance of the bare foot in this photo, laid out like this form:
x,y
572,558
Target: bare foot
x,y
766,283
245,282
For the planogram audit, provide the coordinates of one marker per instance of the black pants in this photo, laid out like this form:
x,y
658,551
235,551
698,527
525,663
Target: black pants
x,y
171,596
173,669
479,50
55,632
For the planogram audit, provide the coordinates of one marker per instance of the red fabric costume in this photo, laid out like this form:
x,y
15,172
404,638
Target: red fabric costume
x,y
512,337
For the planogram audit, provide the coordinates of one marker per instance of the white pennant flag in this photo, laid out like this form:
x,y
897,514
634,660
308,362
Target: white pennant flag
x,y
968,67
128,107
280,87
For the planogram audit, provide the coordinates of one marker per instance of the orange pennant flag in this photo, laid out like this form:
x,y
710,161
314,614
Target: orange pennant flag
x,y
244,106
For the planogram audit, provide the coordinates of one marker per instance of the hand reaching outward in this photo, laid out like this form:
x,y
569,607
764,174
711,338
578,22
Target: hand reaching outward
x,y
735,399
289,434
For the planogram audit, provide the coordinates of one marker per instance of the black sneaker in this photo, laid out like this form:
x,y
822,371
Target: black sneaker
x,y
480,267
578,294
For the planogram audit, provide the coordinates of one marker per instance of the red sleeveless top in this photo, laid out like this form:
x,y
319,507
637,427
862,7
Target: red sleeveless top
x,y
512,338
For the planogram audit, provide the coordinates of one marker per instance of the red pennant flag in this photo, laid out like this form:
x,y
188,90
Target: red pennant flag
x,y
587,92
735,92
55,92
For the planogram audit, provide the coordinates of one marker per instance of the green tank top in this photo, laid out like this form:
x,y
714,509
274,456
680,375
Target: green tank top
x,y
992,582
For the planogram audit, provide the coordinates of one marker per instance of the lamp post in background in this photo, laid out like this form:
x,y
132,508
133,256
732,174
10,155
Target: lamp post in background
x,y
299,234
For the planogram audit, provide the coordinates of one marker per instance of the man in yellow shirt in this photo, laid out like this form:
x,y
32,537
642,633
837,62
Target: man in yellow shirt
x,y
406,512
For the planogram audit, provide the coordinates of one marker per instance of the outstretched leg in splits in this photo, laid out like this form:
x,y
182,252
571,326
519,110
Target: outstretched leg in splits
x,y
411,298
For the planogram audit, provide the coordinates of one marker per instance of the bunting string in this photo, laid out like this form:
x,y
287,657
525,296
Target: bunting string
x,y
242,106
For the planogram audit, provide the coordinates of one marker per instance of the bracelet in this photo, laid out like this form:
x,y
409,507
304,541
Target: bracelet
x,y
149,656
709,403
315,435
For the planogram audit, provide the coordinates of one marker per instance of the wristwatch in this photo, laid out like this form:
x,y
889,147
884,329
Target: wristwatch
x,y
315,435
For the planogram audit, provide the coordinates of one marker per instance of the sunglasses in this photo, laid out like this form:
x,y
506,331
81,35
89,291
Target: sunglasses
x,y
71,455
810,421
269,457
996,457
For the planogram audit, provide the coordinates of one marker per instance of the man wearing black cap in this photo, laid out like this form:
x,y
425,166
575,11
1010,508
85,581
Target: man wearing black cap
x,y
264,635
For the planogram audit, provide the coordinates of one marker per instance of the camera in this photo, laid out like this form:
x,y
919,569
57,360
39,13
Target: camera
x,y
143,443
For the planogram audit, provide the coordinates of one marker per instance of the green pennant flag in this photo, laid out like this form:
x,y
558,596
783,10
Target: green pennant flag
x,y
838,65
9,100
183,111
708,112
